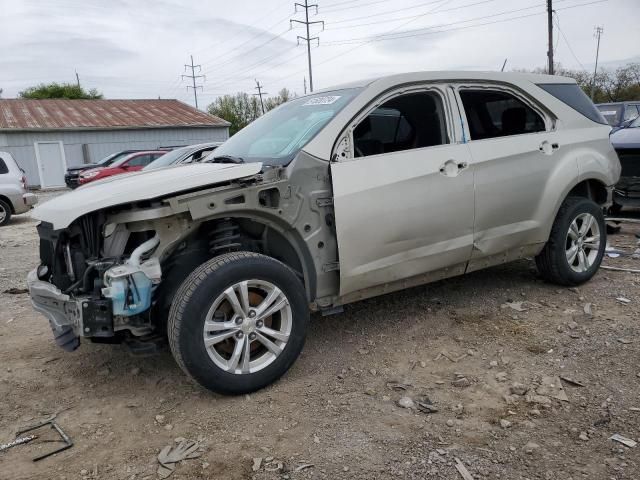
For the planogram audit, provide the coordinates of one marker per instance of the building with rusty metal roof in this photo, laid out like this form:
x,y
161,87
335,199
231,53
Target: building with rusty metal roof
x,y
48,136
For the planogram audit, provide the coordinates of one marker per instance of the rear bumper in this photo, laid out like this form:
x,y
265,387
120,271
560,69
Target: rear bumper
x,y
25,203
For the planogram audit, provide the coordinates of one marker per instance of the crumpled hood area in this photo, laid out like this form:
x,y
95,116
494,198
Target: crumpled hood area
x,y
119,190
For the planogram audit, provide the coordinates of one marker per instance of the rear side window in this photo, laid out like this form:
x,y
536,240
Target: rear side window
x,y
572,95
494,113
3,167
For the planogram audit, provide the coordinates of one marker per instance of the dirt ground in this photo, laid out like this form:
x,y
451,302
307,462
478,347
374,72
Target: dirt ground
x,y
491,372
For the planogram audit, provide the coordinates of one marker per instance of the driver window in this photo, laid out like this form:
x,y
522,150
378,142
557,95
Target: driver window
x,y
414,120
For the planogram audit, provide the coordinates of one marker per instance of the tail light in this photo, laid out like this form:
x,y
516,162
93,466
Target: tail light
x,y
23,181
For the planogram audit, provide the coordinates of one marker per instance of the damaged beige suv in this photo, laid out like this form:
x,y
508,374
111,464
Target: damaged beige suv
x,y
330,198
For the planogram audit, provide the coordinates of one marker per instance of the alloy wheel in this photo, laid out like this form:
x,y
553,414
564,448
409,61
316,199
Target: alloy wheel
x,y
247,327
583,242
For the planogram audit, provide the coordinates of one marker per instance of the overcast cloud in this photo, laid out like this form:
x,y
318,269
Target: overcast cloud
x,y
137,48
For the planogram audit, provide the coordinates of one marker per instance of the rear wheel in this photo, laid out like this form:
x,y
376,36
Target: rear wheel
x,y
238,322
576,244
5,213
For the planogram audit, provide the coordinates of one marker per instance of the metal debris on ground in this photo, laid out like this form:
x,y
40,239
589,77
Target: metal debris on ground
x,y
462,470
395,385
17,441
257,463
552,387
571,381
623,300
170,455
68,443
616,437
425,405
304,467
618,269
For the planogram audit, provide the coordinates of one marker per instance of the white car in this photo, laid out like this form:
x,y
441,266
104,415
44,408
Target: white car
x,y
333,197
14,197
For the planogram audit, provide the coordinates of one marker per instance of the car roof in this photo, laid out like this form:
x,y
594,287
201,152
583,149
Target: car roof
x,y
454,75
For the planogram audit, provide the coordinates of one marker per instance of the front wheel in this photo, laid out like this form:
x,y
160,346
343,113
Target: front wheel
x,y
238,322
576,244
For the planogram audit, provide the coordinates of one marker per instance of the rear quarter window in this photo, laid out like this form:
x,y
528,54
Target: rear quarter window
x,y
3,167
571,94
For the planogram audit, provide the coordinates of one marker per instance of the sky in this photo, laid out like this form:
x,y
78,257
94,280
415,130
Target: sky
x,y
138,48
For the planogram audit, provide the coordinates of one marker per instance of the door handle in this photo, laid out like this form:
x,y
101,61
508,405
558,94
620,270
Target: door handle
x,y
548,148
451,168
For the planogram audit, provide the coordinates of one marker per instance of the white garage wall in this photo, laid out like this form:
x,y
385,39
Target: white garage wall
x,y
102,143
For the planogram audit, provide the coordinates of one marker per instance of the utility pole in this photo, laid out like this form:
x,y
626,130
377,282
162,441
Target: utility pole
x,y
260,93
77,80
598,33
193,77
550,31
308,38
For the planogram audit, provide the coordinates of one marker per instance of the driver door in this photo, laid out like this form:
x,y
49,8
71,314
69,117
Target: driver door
x,y
403,192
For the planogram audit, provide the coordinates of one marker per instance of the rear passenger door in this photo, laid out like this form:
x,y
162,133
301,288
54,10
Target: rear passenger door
x,y
513,147
403,191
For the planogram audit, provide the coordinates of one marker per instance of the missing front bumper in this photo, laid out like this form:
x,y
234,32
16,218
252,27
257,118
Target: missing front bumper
x,y
70,318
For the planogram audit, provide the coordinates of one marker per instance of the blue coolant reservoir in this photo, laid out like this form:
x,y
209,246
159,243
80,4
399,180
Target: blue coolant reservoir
x,y
129,290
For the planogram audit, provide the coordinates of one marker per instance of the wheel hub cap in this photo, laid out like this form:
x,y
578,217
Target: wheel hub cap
x,y
583,242
247,326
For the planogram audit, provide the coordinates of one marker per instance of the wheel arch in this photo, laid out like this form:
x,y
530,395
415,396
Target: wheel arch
x,y
8,202
260,232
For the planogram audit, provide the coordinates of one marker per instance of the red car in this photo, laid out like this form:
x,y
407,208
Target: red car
x,y
130,163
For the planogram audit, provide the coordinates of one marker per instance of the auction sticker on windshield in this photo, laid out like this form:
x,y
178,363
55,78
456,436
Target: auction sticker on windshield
x,y
321,101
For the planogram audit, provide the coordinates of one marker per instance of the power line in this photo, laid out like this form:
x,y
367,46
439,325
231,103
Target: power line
x,y
308,38
193,77
388,12
426,30
388,20
567,42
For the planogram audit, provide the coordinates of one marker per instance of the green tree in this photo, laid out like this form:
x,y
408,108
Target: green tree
x,y
241,109
60,90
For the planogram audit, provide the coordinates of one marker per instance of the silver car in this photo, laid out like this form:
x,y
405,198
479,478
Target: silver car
x,y
333,197
14,197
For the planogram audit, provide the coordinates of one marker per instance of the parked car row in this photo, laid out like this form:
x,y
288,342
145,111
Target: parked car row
x,y
129,161
14,197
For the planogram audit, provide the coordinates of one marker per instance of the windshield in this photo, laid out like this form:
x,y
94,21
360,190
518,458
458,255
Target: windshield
x,y
168,158
276,137
611,113
106,161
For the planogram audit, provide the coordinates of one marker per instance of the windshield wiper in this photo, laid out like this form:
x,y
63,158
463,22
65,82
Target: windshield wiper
x,y
227,159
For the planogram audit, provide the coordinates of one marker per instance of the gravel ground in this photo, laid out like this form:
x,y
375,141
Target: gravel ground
x,y
483,355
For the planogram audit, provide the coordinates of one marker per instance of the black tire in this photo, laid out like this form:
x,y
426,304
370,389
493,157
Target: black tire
x,y
193,300
5,209
552,262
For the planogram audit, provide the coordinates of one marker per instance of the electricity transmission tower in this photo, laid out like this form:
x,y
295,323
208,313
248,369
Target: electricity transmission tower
x,y
308,38
598,33
260,93
193,77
